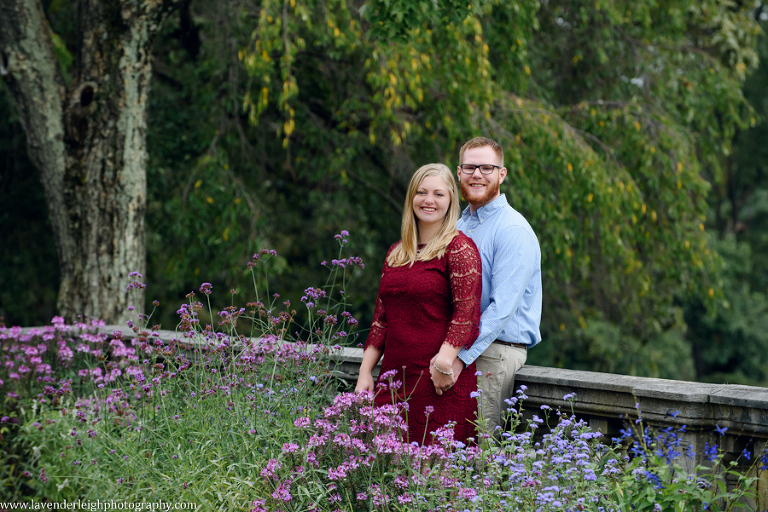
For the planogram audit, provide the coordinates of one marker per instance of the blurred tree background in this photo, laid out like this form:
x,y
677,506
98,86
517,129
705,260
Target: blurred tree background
x,y
634,135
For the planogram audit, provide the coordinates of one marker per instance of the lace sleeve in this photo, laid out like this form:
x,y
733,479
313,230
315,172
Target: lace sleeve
x,y
378,331
466,277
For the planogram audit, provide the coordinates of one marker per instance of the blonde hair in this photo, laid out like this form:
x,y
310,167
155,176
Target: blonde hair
x,y
479,142
405,252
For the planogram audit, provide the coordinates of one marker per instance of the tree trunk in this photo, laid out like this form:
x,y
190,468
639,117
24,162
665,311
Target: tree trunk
x,y
88,141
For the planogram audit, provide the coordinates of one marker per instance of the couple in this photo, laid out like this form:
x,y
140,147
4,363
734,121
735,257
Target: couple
x,y
460,293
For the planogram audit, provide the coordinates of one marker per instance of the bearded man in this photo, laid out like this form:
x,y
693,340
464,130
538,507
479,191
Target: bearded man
x,y
512,293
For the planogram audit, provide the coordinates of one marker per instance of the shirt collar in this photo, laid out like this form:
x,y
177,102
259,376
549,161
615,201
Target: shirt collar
x,y
488,210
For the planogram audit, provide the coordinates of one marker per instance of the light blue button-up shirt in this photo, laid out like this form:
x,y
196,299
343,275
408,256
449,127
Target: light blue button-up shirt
x,y
511,299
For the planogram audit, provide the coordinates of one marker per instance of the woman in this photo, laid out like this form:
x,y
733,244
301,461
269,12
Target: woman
x,y
428,303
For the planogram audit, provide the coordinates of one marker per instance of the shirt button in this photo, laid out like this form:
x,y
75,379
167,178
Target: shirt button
x,y
481,221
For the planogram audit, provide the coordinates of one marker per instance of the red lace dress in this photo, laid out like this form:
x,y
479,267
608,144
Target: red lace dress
x,y
420,307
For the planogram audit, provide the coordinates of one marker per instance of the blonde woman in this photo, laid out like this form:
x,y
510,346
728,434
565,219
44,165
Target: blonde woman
x,y
428,307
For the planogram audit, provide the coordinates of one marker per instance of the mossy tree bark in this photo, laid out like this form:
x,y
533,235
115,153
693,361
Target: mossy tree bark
x,y
87,136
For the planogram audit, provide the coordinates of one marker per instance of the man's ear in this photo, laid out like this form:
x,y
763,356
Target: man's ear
x,y
502,174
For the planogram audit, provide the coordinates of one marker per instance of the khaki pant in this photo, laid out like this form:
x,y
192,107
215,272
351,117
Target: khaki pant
x,y
498,364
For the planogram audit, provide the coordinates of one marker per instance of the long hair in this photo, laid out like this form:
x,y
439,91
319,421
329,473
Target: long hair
x,y
405,253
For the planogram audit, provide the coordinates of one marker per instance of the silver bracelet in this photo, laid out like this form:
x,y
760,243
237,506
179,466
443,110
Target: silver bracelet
x,y
441,371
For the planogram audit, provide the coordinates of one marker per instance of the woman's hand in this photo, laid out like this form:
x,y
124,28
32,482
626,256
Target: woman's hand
x,y
442,373
364,383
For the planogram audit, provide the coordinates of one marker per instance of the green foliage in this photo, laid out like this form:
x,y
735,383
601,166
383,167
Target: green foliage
x,y
730,345
276,123
607,141
29,270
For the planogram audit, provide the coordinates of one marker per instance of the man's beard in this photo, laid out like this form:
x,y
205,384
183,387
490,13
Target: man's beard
x,y
491,191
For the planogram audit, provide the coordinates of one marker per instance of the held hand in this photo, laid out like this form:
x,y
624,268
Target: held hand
x,y
437,372
458,366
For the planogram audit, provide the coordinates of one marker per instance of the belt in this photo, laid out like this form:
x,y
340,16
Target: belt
x,y
510,344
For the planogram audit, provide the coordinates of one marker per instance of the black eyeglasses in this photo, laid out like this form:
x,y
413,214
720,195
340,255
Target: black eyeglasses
x,y
484,168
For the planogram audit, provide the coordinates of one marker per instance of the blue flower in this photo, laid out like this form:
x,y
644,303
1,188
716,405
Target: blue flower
x,y
721,431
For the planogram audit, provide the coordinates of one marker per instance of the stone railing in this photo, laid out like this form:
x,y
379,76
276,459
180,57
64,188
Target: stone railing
x,y
611,402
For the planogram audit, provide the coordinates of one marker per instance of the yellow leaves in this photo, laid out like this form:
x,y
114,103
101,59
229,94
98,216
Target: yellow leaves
x,y
288,127
679,184
209,199
653,215
602,123
634,219
396,139
582,322
679,167
569,253
527,70
225,234
519,101
562,327
414,64
643,209
589,197
687,244
392,79
741,67
238,200
653,149
711,293
336,32
701,227
576,58
570,167
637,125
198,183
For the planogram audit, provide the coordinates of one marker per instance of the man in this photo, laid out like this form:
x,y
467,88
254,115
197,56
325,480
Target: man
x,y
511,297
